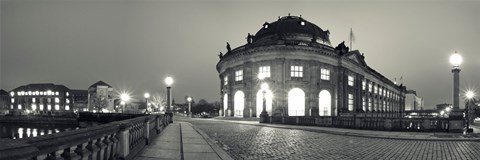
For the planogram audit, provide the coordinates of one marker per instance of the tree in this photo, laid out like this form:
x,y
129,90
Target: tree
x,y
100,103
203,106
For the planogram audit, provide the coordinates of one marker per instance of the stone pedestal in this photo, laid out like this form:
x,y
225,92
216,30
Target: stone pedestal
x,y
456,122
264,117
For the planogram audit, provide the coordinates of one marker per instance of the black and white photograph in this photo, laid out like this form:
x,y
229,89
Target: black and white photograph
x,y
239,79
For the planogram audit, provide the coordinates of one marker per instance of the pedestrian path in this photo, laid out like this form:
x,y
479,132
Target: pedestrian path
x,y
181,141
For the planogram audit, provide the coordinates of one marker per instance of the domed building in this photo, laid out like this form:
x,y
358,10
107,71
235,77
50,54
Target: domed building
x,y
302,75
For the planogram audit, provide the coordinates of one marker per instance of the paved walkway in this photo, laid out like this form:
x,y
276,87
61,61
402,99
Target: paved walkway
x,y
180,141
435,136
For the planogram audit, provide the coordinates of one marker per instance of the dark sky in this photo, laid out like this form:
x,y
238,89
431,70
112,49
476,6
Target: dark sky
x,y
134,45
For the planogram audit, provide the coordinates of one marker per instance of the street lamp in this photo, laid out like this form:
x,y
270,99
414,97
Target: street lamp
x,y
189,99
264,88
456,117
124,97
146,95
169,82
470,100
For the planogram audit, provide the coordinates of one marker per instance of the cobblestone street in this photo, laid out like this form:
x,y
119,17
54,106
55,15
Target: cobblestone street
x,y
243,141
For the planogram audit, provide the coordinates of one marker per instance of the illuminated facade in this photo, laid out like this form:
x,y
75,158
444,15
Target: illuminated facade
x,y
305,74
100,97
41,98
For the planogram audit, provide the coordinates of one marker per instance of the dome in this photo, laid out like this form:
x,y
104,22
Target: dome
x,y
287,26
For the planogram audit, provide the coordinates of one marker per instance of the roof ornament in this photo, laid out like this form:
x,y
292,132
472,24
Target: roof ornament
x,y
220,55
249,38
228,47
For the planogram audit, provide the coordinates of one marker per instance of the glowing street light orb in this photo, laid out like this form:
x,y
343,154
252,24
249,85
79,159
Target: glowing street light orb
x,y
448,109
124,97
146,95
189,99
122,103
470,94
456,59
169,81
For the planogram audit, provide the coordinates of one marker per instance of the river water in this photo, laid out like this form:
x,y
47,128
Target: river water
x,y
15,131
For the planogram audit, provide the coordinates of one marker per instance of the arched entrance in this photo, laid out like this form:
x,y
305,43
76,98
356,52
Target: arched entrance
x,y
239,103
325,103
296,102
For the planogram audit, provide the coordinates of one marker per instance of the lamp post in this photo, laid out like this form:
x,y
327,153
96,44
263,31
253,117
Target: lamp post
x,y
169,82
470,101
146,95
124,97
189,99
456,117
264,87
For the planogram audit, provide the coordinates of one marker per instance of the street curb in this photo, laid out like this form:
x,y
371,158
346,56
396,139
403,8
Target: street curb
x,y
319,130
220,152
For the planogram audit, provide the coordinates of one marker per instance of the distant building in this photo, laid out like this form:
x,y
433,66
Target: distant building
x,y
80,100
412,101
4,100
100,97
41,98
306,76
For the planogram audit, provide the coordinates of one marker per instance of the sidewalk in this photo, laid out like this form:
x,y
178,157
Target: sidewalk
x,y
428,136
180,141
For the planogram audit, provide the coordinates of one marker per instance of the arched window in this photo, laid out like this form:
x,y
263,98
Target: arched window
x,y
325,103
296,102
239,101
225,105
269,98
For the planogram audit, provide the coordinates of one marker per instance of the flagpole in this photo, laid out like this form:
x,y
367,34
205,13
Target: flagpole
x,y
351,37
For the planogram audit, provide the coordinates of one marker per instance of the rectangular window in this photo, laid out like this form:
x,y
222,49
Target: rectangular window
x,y
225,80
381,91
296,71
264,71
68,101
325,74
67,107
19,106
364,104
350,102
370,87
364,84
239,75
33,100
49,107
376,89
13,100
57,100
49,100
41,107
351,80
57,107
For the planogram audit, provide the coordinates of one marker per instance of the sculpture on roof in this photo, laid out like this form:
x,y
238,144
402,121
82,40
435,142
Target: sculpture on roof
x,y
249,38
220,55
228,47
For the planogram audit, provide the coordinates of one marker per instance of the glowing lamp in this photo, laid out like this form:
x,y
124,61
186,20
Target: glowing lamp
x,y
169,81
470,94
146,95
456,59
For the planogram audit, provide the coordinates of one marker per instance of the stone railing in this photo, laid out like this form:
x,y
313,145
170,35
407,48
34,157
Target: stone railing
x,y
115,140
370,123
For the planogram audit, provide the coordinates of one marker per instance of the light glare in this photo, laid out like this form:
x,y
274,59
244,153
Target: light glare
x,y
456,59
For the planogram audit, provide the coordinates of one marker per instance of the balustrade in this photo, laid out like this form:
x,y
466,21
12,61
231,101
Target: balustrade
x,y
115,140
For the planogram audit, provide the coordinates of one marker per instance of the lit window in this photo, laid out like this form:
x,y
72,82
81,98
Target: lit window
x,y
29,93
41,107
381,91
376,89
57,100
296,71
13,100
49,92
350,80
37,93
350,102
239,75
57,107
11,106
265,26
324,74
12,94
18,93
49,107
19,106
370,87
34,107
56,93
364,84
33,100
68,100
49,100
302,23
41,93
67,107
67,94
265,71
296,102
384,105
225,80
364,104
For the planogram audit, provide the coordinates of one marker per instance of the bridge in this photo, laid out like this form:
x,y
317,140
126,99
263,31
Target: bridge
x,y
118,136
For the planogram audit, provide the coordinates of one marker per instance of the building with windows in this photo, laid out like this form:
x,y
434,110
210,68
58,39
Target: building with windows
x,y
100,97
4,100
41,98
304,75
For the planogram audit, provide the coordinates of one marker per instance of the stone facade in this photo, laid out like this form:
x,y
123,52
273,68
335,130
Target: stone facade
x,y
302,64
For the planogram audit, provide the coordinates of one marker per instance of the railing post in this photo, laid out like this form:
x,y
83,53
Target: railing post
x,y
108,149
93,149
157,123
101,146
123,136
147,130
114,140
82,151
